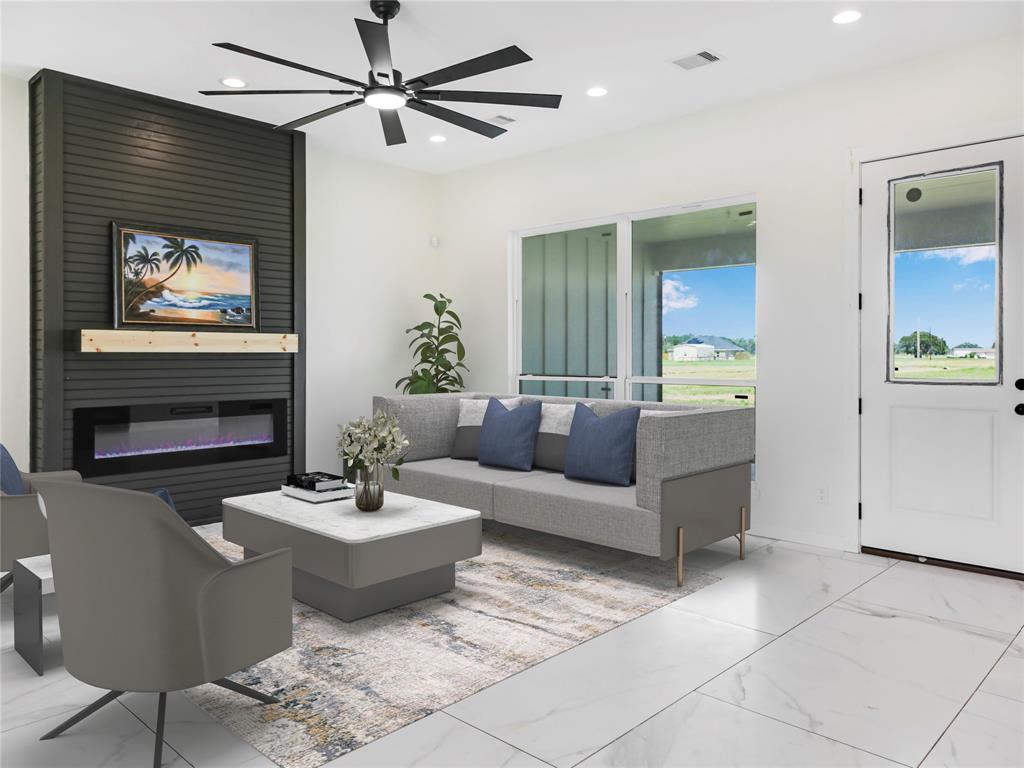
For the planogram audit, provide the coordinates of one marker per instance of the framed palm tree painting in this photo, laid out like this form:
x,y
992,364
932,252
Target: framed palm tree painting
x,y
167,277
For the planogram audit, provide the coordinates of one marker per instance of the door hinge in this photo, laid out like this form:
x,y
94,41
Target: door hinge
x,y
860,405
860,195
860,301
860,511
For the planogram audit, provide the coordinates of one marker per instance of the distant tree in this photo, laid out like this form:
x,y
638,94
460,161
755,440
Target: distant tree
x,y
967,345
670,341
930,344
747,345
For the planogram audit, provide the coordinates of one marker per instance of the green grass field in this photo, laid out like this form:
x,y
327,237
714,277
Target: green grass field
x,y
938,368
711,369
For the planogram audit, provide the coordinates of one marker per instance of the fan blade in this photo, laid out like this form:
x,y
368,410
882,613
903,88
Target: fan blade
x,y
548,100
318,115
378,49
392,125
269,93
286,63
456,118
489,62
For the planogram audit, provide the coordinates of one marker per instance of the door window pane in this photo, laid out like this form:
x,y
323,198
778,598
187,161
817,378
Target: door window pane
x,y
944,321
568,304
693,295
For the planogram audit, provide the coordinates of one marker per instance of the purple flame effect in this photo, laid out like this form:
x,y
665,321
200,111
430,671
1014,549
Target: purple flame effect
x,y
221,441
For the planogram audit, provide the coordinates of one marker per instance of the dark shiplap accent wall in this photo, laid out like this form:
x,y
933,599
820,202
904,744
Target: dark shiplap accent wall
x,y
102,154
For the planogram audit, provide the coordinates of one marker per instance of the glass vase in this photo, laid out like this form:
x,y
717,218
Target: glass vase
x,y
370,489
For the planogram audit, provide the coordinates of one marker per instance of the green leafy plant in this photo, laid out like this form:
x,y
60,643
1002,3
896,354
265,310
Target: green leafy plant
x,y
438,353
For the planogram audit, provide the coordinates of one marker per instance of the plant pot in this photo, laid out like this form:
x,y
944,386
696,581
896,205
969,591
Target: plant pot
x,y
370,489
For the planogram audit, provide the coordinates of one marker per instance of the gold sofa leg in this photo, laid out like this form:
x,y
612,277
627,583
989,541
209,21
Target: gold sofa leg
x,y
679,557
743,533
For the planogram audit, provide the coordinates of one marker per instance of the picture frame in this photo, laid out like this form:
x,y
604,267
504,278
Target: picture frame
x,y
182,278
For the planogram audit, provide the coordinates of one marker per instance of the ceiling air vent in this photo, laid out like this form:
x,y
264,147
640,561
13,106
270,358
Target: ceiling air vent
x,y
700,59
502,120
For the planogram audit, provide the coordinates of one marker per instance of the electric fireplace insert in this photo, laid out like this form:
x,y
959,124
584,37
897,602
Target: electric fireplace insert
x,y
135,438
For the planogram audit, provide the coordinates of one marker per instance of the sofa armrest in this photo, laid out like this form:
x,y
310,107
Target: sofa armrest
x,y
245,613
676,445
428,421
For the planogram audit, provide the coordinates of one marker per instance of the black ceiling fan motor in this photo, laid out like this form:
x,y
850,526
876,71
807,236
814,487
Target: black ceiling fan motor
x,y
385,10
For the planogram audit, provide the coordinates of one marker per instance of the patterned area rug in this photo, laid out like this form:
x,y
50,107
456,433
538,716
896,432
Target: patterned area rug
x,y
528,597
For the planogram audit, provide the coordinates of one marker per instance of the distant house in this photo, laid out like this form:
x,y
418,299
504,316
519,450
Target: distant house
x,y
705,348
985,353
692,351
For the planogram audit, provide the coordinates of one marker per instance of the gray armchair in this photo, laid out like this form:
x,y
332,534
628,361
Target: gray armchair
x,y
22,524
145,604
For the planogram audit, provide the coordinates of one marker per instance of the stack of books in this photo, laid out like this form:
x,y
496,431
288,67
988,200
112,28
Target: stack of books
x,y
316,487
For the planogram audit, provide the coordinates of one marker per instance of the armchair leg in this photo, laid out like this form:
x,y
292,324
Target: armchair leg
x,y
245,690
80,716
679,557
743,533
161,712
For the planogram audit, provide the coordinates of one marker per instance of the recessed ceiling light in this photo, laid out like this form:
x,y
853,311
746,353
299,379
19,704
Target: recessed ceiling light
x,y
846,17
596,91
438,138
233,82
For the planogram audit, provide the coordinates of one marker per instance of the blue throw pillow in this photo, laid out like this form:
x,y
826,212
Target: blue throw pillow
x,y
165,495
599,449
508,437
10,478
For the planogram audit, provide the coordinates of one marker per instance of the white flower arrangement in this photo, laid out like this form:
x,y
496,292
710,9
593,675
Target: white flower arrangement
x,y
367,443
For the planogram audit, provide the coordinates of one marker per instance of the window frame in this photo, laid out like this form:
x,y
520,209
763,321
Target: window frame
x,y
624,379
890,355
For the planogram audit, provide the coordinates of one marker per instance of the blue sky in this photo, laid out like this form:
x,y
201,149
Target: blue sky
x,y
951,291
717,302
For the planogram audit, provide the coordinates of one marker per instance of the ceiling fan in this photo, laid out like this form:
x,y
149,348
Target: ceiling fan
x,y
387,92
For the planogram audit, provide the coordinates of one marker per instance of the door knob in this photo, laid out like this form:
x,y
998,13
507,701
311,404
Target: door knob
x,y
1019,409
1019,383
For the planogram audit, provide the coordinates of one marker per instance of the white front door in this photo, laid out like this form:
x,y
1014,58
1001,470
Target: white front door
x,y
942,355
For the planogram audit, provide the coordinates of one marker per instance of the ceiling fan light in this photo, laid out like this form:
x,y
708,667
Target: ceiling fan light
x,y
385,98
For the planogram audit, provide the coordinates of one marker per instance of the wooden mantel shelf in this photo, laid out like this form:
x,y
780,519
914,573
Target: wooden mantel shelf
x,y
187,341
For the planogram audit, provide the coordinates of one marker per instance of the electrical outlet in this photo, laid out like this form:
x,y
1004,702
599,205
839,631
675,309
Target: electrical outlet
x,y
823,495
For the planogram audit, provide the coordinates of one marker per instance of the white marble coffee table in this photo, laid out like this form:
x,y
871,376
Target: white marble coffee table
x,y
352,564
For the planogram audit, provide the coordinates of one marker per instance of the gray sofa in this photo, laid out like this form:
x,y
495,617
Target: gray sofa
x,y
692,477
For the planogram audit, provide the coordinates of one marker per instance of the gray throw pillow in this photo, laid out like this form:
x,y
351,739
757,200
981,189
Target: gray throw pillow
x,y
553,435
471,418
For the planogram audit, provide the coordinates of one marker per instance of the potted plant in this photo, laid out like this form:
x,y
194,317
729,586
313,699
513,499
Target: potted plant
x,y
439,351
366,446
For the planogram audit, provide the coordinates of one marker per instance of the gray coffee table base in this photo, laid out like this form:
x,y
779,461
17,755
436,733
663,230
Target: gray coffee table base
x,y
350,604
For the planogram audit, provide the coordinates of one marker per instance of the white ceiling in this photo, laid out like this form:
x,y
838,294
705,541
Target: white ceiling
x,y
164,48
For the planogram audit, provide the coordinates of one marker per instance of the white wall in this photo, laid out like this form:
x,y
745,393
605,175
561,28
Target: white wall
x,y
793,151
368,262
14,268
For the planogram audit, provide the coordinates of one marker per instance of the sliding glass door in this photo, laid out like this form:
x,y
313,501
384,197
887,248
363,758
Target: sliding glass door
x,y
651,306
693,321
568,312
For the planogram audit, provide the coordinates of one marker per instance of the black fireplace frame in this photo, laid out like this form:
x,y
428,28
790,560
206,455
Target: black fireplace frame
x,y
85,421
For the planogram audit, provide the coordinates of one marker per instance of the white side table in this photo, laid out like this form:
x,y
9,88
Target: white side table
x,y
33,578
